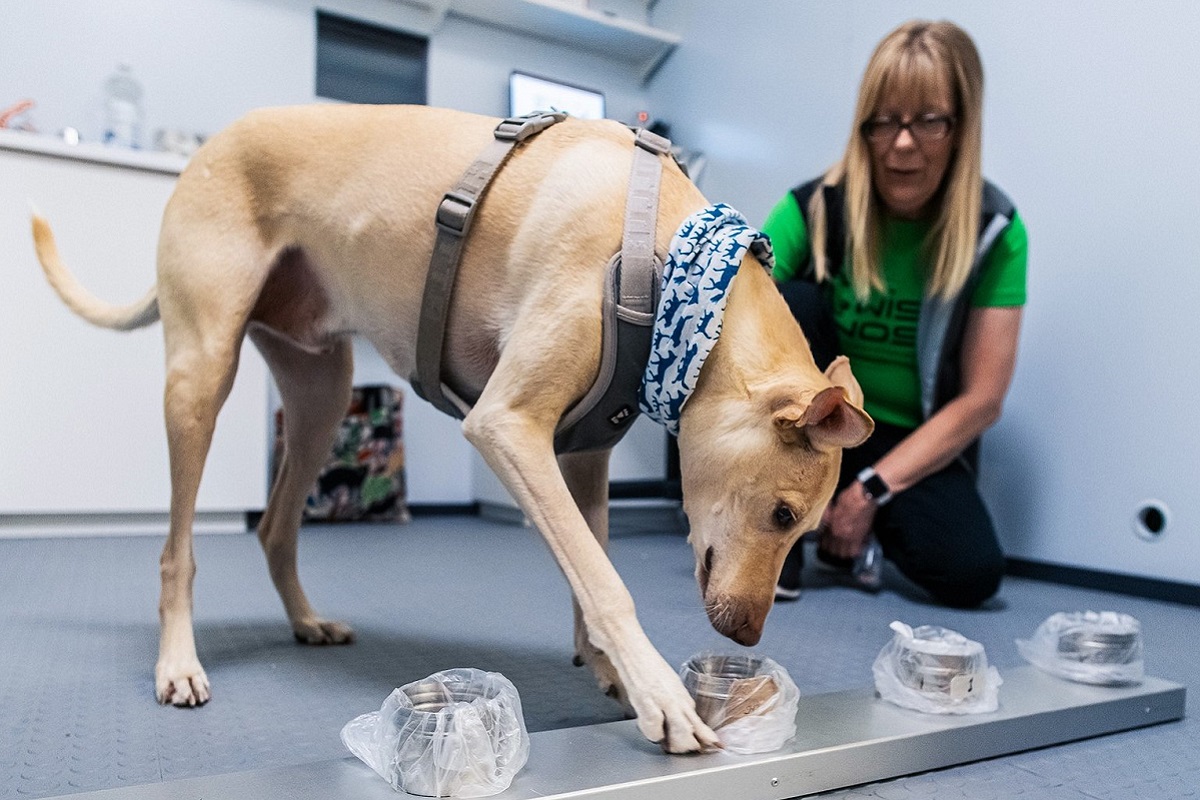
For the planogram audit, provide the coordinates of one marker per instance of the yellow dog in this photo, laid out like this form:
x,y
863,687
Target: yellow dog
x,y
303,226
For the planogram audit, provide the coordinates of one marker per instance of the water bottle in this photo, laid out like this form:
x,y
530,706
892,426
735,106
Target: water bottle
x,y
123,109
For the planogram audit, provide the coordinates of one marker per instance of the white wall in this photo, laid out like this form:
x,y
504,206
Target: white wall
x,y
1091,113
85,405
204,63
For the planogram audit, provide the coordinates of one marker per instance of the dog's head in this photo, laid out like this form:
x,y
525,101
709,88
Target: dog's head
x,y
759,465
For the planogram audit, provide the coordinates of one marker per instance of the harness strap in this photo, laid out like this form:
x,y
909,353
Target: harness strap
x,y
641,272
454,217
631,291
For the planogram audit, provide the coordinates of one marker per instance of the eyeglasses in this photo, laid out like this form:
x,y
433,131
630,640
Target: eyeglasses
x,y
928,128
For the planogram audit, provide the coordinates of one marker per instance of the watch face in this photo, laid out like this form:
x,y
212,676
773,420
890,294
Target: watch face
x,y
875,487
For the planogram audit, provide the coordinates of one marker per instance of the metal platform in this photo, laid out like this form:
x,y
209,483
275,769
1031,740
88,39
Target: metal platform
x,y
844,739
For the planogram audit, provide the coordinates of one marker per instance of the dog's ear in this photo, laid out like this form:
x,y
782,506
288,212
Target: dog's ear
x,y
834,417
832,420
828,419
846,425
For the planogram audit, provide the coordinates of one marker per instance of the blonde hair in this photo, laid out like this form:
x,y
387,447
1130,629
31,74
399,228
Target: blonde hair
x,y
925,57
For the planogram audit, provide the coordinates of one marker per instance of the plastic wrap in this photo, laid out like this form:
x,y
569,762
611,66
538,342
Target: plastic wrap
x,y
749,700
1102,648
457,733
936,671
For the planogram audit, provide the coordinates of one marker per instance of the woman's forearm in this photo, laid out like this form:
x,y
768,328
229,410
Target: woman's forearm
x,y
988,361
937,442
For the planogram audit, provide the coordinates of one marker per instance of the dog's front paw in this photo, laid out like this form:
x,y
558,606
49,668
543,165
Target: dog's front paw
x,y
666,714
183,685
321,631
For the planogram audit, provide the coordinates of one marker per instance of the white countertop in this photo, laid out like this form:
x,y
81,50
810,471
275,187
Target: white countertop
x,y
93,152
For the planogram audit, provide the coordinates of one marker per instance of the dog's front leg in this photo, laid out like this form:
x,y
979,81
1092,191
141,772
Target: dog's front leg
x,y
586,475
519,448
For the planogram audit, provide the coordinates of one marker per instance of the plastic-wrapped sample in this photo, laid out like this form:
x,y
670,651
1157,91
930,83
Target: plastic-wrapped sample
x,y
749,700
936,671
457,733
1103,648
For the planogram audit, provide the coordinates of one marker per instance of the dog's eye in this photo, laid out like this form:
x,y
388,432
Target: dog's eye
x,y
784,516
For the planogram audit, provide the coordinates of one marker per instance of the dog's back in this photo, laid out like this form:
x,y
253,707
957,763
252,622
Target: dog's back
x,y
341,199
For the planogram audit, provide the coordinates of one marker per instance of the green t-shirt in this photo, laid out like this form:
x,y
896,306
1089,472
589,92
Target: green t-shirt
x,y
880,336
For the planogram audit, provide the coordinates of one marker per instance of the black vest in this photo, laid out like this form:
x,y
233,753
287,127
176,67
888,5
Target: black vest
x,y
942,322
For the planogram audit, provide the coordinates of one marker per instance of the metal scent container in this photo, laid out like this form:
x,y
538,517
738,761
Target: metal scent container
x,y
935,670
427,730
1101,648
727,687
454,731
951,666
749,700
458,732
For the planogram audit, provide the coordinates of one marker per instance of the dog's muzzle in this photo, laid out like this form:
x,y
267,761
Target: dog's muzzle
x,y
737,618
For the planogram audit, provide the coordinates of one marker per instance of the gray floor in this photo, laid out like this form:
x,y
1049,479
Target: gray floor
x,y
76,684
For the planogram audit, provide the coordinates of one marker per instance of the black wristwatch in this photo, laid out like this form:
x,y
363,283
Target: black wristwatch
x,y
874,487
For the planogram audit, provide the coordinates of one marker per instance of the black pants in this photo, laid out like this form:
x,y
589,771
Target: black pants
x,y
938,532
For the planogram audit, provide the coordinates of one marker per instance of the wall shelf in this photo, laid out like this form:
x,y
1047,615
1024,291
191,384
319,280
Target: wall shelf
x,y
640,47
93,152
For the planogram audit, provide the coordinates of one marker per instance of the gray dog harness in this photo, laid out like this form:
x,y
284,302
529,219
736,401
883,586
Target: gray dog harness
x,y
631,290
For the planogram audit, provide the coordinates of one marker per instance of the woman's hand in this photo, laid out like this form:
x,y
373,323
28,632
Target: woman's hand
x,y
847,522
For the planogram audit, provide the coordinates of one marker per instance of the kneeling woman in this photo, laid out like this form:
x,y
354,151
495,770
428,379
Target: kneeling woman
x,y
905,259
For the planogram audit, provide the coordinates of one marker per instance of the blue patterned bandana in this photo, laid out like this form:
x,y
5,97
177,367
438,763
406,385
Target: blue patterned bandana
x,y
705,255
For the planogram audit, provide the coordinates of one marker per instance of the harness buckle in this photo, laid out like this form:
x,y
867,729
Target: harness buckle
x,y
455,212
652,142
518,129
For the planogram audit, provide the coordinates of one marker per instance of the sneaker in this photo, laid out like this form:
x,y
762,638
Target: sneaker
x,y
786,594
833,565
787,587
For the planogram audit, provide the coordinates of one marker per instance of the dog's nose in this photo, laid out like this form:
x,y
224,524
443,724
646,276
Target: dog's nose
x,y
736,619
747,635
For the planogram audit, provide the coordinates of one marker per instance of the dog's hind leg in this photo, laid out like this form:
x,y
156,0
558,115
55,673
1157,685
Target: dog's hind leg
x,y
315,389
200,372
586,475
211,268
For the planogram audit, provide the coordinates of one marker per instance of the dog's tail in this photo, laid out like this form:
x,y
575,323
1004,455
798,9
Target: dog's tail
x,y
96,311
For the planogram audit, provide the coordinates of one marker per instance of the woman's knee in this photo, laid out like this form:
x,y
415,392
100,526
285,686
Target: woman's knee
x,y
967,585
944,540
